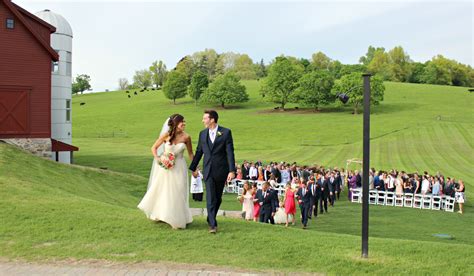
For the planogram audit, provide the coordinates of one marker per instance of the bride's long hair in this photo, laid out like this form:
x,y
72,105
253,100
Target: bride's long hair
x,y
173,123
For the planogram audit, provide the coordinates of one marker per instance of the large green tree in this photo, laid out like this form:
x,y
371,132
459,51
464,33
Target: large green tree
x,y
282,80
319,61
261,69
158,71
186,66
175,86
81,83
244,67
365,60
314,89
225,89
206,61
400,68
352,85
199,83
142,78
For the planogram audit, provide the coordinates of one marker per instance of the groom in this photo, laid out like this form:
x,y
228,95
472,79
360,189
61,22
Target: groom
x,y
216,143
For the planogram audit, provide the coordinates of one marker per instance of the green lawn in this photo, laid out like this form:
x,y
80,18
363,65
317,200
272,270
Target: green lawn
x,y
417,127
52,211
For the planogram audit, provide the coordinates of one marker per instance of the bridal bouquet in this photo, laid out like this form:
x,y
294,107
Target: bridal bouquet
x,y
166,160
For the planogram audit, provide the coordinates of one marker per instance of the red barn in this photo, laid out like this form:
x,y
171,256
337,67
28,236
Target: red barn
x,y
25,79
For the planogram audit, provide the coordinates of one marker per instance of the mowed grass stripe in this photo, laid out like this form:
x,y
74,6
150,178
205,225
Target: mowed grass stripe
x,y
458,149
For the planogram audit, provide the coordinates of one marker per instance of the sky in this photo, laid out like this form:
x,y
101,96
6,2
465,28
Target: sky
x,y
113,39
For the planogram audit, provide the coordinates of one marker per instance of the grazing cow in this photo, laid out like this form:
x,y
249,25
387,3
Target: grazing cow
x,y
135,93
82,103
129,96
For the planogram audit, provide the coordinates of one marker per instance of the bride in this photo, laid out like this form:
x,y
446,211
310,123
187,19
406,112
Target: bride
x,y
167,197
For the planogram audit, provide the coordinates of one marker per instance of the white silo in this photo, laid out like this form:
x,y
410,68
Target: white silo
x,y
61,82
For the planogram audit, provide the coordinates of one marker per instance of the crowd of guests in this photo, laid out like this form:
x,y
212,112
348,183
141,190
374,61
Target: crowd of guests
x,y
314,188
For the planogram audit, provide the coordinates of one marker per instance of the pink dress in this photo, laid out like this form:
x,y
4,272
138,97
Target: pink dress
x,y
256,209
290,207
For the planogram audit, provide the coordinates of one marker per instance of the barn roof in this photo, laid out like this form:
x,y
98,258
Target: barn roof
x,y
19,13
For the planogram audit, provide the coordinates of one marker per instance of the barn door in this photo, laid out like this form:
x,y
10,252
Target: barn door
x,y
14,110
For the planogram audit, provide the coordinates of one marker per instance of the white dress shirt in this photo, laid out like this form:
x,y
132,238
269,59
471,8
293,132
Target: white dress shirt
x,y
213,133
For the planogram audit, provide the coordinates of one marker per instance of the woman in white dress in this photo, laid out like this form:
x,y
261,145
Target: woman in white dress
x,y
247,202
167,197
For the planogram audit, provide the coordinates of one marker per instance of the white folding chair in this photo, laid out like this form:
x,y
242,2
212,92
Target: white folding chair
x,y
408,200
373,196
417,201
381,198
436,203
443,202
240,191
399,200
426,202
449,204
389,198
356,195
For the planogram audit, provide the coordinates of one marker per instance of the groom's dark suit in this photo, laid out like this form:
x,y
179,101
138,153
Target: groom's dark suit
x,y
218,162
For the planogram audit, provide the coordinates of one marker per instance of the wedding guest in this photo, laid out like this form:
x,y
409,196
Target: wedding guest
x,y
425,185
416,184
460,195
324,184
267,173
290,207
253,172
260,173
339,183
399,186
245,170
449,187
239,174
280,215
265,199
332,188
315,190
352,183
247,202
256,205
304,201
196,186
285,175
436,188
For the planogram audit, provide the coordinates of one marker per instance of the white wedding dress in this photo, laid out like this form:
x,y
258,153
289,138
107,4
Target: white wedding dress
x,y
167,198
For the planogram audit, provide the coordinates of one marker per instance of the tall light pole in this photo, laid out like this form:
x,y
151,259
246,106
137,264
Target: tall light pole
x,y
365,168
366,160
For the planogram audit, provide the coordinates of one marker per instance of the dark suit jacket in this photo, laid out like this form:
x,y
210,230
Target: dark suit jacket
x,y
219,157
317,191
267,201
275,201
306,198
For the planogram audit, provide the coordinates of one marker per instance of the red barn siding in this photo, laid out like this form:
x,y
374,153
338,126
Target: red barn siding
x,y
25,62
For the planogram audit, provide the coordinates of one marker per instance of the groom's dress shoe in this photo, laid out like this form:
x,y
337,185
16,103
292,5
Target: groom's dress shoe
x,y
213,230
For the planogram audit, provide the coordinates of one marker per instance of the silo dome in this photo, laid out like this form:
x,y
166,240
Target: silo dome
x,y
61,24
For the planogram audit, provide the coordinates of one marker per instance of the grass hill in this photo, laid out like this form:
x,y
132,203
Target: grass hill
x,y
52,211
416,128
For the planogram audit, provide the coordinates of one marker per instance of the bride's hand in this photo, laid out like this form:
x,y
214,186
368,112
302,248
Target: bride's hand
x,y
195,174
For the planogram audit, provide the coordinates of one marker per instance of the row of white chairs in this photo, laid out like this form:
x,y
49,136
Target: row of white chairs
x,y
419,201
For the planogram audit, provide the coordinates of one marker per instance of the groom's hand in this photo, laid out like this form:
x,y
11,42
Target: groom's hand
x,y
230,176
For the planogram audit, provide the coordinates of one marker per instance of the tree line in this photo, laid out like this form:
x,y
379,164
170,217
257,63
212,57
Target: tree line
x,y
211,77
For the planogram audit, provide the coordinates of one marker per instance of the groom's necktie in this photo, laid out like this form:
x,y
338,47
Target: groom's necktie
x,y
213,135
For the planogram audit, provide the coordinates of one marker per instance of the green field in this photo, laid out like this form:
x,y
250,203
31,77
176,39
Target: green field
x,y
52,211
58,212
417,127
